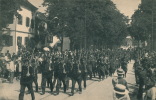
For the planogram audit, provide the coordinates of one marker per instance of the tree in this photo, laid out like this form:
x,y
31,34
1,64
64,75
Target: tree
x,y
87,22
8,8
142,21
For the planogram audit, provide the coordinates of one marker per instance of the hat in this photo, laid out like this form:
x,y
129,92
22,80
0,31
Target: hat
x,y
120,71
120,89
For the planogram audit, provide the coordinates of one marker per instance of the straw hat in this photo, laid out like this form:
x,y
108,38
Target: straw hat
x,y
120,71
120,89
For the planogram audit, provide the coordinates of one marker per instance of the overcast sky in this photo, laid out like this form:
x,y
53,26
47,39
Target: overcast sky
x,y
127,7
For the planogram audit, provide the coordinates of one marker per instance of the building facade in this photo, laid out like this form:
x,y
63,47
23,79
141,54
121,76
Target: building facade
x,y
20,30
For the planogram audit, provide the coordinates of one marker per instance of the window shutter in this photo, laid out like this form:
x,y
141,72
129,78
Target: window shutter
x,y
20,19
19,41
27,21
26,41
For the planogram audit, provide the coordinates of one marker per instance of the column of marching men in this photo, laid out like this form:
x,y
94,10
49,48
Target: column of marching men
x,y
57,68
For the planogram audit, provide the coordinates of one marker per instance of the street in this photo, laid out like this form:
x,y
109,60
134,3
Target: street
x,y
95,90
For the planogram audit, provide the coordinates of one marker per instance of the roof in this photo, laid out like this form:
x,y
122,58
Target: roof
x,y
27,4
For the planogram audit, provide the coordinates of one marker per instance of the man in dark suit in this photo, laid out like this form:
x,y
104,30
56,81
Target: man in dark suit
x,y
26,80
35,71
83,72
76,77
61,75
46,75
101,69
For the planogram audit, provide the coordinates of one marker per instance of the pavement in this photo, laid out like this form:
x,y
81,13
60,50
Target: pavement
x,y
95,90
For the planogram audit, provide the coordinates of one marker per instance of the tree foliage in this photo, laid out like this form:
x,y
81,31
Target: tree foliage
x,y
91,22
143,20
8,8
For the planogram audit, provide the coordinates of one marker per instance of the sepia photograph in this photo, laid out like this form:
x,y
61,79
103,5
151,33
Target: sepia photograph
x,y
77,49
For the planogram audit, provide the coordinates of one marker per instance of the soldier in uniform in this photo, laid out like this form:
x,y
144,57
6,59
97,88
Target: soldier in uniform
x,y
26,80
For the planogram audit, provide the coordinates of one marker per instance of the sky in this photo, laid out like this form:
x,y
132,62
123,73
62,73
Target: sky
x,y
127,7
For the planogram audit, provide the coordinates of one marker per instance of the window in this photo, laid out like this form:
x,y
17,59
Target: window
x,y
27,21
7,40
26,41
19,19
19,41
